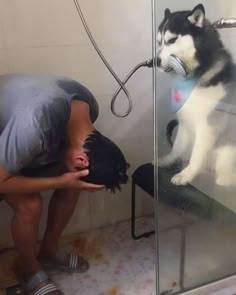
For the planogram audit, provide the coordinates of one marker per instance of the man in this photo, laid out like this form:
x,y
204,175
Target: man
x,y
47,142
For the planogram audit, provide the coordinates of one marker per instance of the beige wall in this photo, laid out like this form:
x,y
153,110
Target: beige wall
x,y
46,36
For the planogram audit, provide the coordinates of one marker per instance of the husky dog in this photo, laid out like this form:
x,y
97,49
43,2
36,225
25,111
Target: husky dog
x,y
193,39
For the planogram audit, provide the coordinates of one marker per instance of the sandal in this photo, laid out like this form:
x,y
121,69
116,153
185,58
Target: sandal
x,y
75,264
32,285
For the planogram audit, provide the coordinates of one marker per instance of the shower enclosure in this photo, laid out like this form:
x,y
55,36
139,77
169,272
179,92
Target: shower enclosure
x,y
196,223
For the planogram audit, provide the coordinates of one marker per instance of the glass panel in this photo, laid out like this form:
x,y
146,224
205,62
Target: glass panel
x,y
195,110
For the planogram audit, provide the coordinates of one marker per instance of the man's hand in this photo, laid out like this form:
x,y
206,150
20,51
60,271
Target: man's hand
x,y
71,180
10,184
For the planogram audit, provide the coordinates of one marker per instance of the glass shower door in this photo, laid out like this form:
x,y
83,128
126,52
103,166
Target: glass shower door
x,y
196,210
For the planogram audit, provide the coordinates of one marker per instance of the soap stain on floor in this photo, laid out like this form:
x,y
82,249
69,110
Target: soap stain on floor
x,y
113,291
88,247
118,264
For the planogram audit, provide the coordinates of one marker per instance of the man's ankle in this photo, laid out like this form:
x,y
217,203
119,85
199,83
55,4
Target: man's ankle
x,y
30,270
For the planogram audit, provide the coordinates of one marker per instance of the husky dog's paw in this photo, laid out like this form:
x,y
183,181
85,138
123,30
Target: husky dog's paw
x,y
182,178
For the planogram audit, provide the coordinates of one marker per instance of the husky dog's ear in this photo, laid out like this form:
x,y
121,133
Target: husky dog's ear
x,y
197,16
167,12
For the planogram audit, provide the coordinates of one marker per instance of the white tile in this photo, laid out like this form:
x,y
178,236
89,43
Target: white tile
x,y
138,151
130,129
82,63
107,208
2,35
41,23
50,22
4,64
99,203
122,21
81,219
79,222
124,57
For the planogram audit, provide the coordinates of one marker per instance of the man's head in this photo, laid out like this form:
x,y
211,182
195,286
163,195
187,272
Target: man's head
x,y
189,36
87,148
107,164
105,161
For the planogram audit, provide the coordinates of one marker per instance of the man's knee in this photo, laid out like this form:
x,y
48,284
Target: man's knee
x,y
27,205
67,195
73,193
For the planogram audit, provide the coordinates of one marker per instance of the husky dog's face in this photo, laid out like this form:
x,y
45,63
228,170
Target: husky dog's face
x,y
180,34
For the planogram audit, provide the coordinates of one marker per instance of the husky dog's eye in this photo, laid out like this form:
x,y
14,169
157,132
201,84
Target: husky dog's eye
x,y
172,40
159,42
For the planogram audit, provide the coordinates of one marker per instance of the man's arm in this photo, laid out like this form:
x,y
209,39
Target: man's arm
x,y
25,185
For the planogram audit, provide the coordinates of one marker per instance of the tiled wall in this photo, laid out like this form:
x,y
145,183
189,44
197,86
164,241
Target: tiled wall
x,y
46,36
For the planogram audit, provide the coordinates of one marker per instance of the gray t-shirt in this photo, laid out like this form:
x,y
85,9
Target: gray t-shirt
x,y
34,111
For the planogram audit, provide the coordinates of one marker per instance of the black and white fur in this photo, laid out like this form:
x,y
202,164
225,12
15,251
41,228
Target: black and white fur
x,y
192,38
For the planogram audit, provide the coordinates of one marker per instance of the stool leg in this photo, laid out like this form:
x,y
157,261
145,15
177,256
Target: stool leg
x,y
133,209
133,216
182,257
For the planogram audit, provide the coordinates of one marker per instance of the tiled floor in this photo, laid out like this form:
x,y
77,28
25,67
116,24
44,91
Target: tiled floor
x,y
121,266
227,291
118,265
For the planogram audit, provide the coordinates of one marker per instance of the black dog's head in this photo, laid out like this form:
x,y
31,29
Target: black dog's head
x,y
189,36
107,164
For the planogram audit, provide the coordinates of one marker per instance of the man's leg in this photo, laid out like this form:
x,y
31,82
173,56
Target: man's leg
x,y
61,208
25,224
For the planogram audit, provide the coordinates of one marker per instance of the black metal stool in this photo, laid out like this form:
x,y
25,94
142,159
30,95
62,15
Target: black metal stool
x,y
182,197
144,178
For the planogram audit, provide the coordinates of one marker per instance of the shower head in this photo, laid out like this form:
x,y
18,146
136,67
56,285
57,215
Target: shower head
x,y
176,64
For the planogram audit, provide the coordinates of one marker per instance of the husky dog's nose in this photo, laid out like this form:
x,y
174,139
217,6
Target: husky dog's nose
x,y
153,62
158,61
